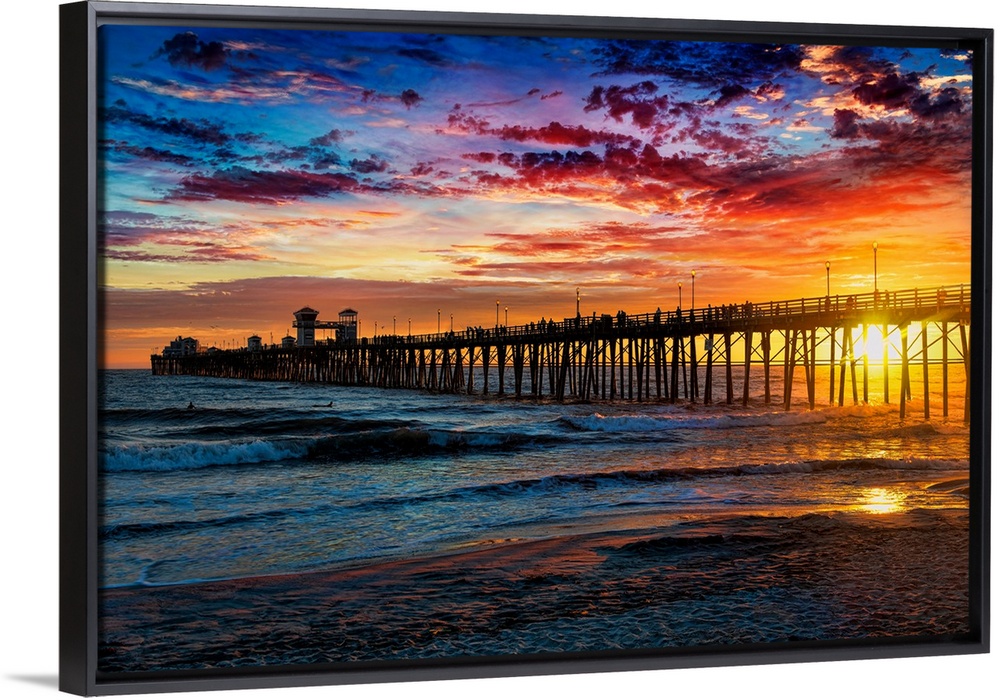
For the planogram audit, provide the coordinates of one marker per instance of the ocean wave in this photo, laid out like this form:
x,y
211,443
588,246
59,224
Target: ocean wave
x,y
927,430
195,455
180,414
598,422
349,446
294,424
242,421
630,477
419,441
126,530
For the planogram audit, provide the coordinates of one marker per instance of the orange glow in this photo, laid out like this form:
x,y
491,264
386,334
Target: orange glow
x,y
876,345
880,501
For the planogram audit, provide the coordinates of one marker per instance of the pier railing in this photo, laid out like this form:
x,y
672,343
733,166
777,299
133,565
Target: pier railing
x,y
882,303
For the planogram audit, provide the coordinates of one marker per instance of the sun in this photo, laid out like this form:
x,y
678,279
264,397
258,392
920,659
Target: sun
x,y
877,344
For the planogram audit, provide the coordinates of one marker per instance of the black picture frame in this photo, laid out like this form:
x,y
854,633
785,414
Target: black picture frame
x,y
79,314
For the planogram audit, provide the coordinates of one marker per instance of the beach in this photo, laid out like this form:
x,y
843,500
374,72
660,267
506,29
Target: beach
x,y
725,582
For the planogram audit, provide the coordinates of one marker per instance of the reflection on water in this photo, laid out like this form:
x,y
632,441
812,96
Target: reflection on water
x,y
881,501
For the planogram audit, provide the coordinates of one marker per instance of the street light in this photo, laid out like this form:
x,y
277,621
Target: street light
x,y
875,253
452,322
578,302
394,325
505,309
680,301
692,290
439,321
498,313
409,326
828,278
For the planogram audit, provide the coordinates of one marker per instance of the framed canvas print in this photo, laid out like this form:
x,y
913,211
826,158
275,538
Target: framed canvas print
x,y
419,345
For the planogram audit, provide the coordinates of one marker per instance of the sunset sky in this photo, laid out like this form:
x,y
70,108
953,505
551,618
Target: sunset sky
x,y
250,172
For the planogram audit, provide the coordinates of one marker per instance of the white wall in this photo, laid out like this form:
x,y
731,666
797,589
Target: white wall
x,y
28,616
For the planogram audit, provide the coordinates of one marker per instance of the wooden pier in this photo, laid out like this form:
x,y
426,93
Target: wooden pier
x,y
694,355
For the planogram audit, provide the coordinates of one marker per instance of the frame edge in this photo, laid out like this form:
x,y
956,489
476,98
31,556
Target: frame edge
x,y
76,122
77,299
980,520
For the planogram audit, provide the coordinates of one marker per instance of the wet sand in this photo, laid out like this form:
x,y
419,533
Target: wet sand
x,y
745,579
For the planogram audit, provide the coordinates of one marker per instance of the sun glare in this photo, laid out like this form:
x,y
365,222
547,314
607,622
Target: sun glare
x,y
876,345
880,501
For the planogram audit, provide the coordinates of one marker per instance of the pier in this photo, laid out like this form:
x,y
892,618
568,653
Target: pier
x,y
685,355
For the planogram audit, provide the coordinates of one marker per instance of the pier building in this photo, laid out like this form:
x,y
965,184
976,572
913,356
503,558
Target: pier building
x,y
182,347
307,323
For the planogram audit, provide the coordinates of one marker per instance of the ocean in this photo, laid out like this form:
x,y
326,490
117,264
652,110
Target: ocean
x,y
543,526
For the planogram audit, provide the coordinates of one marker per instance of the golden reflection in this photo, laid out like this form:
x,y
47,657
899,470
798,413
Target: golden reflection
x,y
880,501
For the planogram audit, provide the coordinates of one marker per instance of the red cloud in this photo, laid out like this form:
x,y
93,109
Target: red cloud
x,y
638,100
560,135
239,184
481,157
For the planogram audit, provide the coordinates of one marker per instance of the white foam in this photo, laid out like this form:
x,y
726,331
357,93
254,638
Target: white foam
x,y
193,455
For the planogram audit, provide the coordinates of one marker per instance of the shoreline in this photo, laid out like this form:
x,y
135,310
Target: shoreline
x,y
626,524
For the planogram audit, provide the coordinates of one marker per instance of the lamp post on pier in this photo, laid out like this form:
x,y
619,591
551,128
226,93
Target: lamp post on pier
x,y
875,253
394,325
578,302
680,286
505,309
828,278
452,316
439,321
692,290
498,314
409,326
